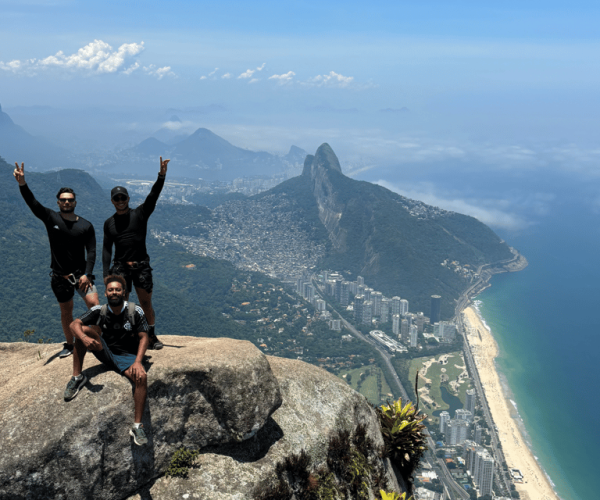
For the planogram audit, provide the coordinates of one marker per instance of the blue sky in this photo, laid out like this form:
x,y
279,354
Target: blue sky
x,y
505,86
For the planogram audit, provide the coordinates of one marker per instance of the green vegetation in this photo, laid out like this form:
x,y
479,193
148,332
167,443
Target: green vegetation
x,y
370,381
351,471
403,429
397,252
181,462
441,375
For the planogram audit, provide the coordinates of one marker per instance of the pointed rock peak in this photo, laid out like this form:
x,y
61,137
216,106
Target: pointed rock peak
x,y
325,157
174,118
308,161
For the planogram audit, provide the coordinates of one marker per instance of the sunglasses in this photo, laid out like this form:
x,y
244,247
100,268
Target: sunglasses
x,y
120,197
66,200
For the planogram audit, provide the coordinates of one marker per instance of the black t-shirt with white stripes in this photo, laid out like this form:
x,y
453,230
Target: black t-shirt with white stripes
x,y
118,333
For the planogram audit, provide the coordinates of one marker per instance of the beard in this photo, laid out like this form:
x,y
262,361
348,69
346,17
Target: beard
x,y
115,301
66,210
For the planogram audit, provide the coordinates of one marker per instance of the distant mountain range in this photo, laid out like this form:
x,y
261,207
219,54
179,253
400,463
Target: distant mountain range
x,y
38,154
205,155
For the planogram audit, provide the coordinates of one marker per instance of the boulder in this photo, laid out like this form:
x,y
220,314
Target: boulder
x,y
201,393
316,407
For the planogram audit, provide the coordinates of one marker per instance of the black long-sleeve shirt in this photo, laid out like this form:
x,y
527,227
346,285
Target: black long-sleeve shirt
x,y
70,241
127,232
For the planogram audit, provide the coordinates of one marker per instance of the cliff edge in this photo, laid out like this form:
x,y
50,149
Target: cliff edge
x,y
244,412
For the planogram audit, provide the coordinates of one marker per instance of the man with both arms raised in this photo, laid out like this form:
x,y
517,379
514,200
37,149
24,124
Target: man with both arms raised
x,y
71,237
126,230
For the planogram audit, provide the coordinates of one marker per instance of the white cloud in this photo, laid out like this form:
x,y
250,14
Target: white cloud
x,y
333,79
254,80
249,72
159,72
213,72
226,75
203,77
284,78
97,57
491,215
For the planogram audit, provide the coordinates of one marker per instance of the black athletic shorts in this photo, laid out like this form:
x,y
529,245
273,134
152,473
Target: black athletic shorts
x,y
64,290
140,274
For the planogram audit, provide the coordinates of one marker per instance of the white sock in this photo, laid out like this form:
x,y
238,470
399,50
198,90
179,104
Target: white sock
x,y
137,425
78,377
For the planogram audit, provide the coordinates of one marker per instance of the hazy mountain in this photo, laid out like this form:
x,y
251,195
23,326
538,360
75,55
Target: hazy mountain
x,y
206,155
16,144
398,245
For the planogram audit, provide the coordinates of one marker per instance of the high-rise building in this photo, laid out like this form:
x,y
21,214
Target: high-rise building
x,y
405,330
414,335
471,400
420,322
367,312
338,289
396,324
359,301
367,293
444,331
471,450
360,289
457,431
335,324
309,292
376,299
345,293
478,433
320,304
396,305
483,474
463,415
385,310
444,419
360,280
403,307
436,309
353,287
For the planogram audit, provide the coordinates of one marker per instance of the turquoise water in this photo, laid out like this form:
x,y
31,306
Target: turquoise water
x,y
545,320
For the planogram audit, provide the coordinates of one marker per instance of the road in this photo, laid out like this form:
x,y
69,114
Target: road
x,y
446,477
463,302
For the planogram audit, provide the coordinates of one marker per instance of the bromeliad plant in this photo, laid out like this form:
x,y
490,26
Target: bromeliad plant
x,y
393,496
403,433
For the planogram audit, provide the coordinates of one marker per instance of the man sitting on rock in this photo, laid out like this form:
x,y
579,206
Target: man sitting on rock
x,y
117,334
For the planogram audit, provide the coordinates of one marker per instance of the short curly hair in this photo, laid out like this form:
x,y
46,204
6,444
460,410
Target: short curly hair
x,y
115,277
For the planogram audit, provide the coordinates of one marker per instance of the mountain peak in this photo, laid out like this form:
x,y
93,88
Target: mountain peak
x,y
323,159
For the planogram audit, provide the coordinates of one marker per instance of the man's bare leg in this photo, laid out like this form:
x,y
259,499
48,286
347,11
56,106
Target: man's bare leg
x,y
80,349
145,299
91,300
139,395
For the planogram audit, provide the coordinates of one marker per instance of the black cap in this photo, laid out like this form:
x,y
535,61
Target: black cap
x,y
118,190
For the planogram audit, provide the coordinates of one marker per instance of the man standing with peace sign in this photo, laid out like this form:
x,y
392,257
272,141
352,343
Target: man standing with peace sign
x,y
73,250
127,230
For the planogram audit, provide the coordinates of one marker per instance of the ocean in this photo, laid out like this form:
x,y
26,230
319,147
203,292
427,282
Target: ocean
x,y
545,320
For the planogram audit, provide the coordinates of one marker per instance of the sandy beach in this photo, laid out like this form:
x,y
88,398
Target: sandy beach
x,y
484,348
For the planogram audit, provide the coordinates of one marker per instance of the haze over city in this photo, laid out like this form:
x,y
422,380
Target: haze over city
x,y
491,91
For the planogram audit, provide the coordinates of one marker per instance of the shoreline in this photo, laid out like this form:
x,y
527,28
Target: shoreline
x,y
516,448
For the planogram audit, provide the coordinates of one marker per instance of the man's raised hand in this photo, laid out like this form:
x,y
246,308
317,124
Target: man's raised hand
x,y
163,166
19,173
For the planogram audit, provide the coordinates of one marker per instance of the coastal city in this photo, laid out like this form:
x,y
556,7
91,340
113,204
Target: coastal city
x,y
466,458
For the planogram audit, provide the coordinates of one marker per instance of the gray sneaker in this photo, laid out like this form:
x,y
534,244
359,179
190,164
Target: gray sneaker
x,y
67,350
73,387
139,436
